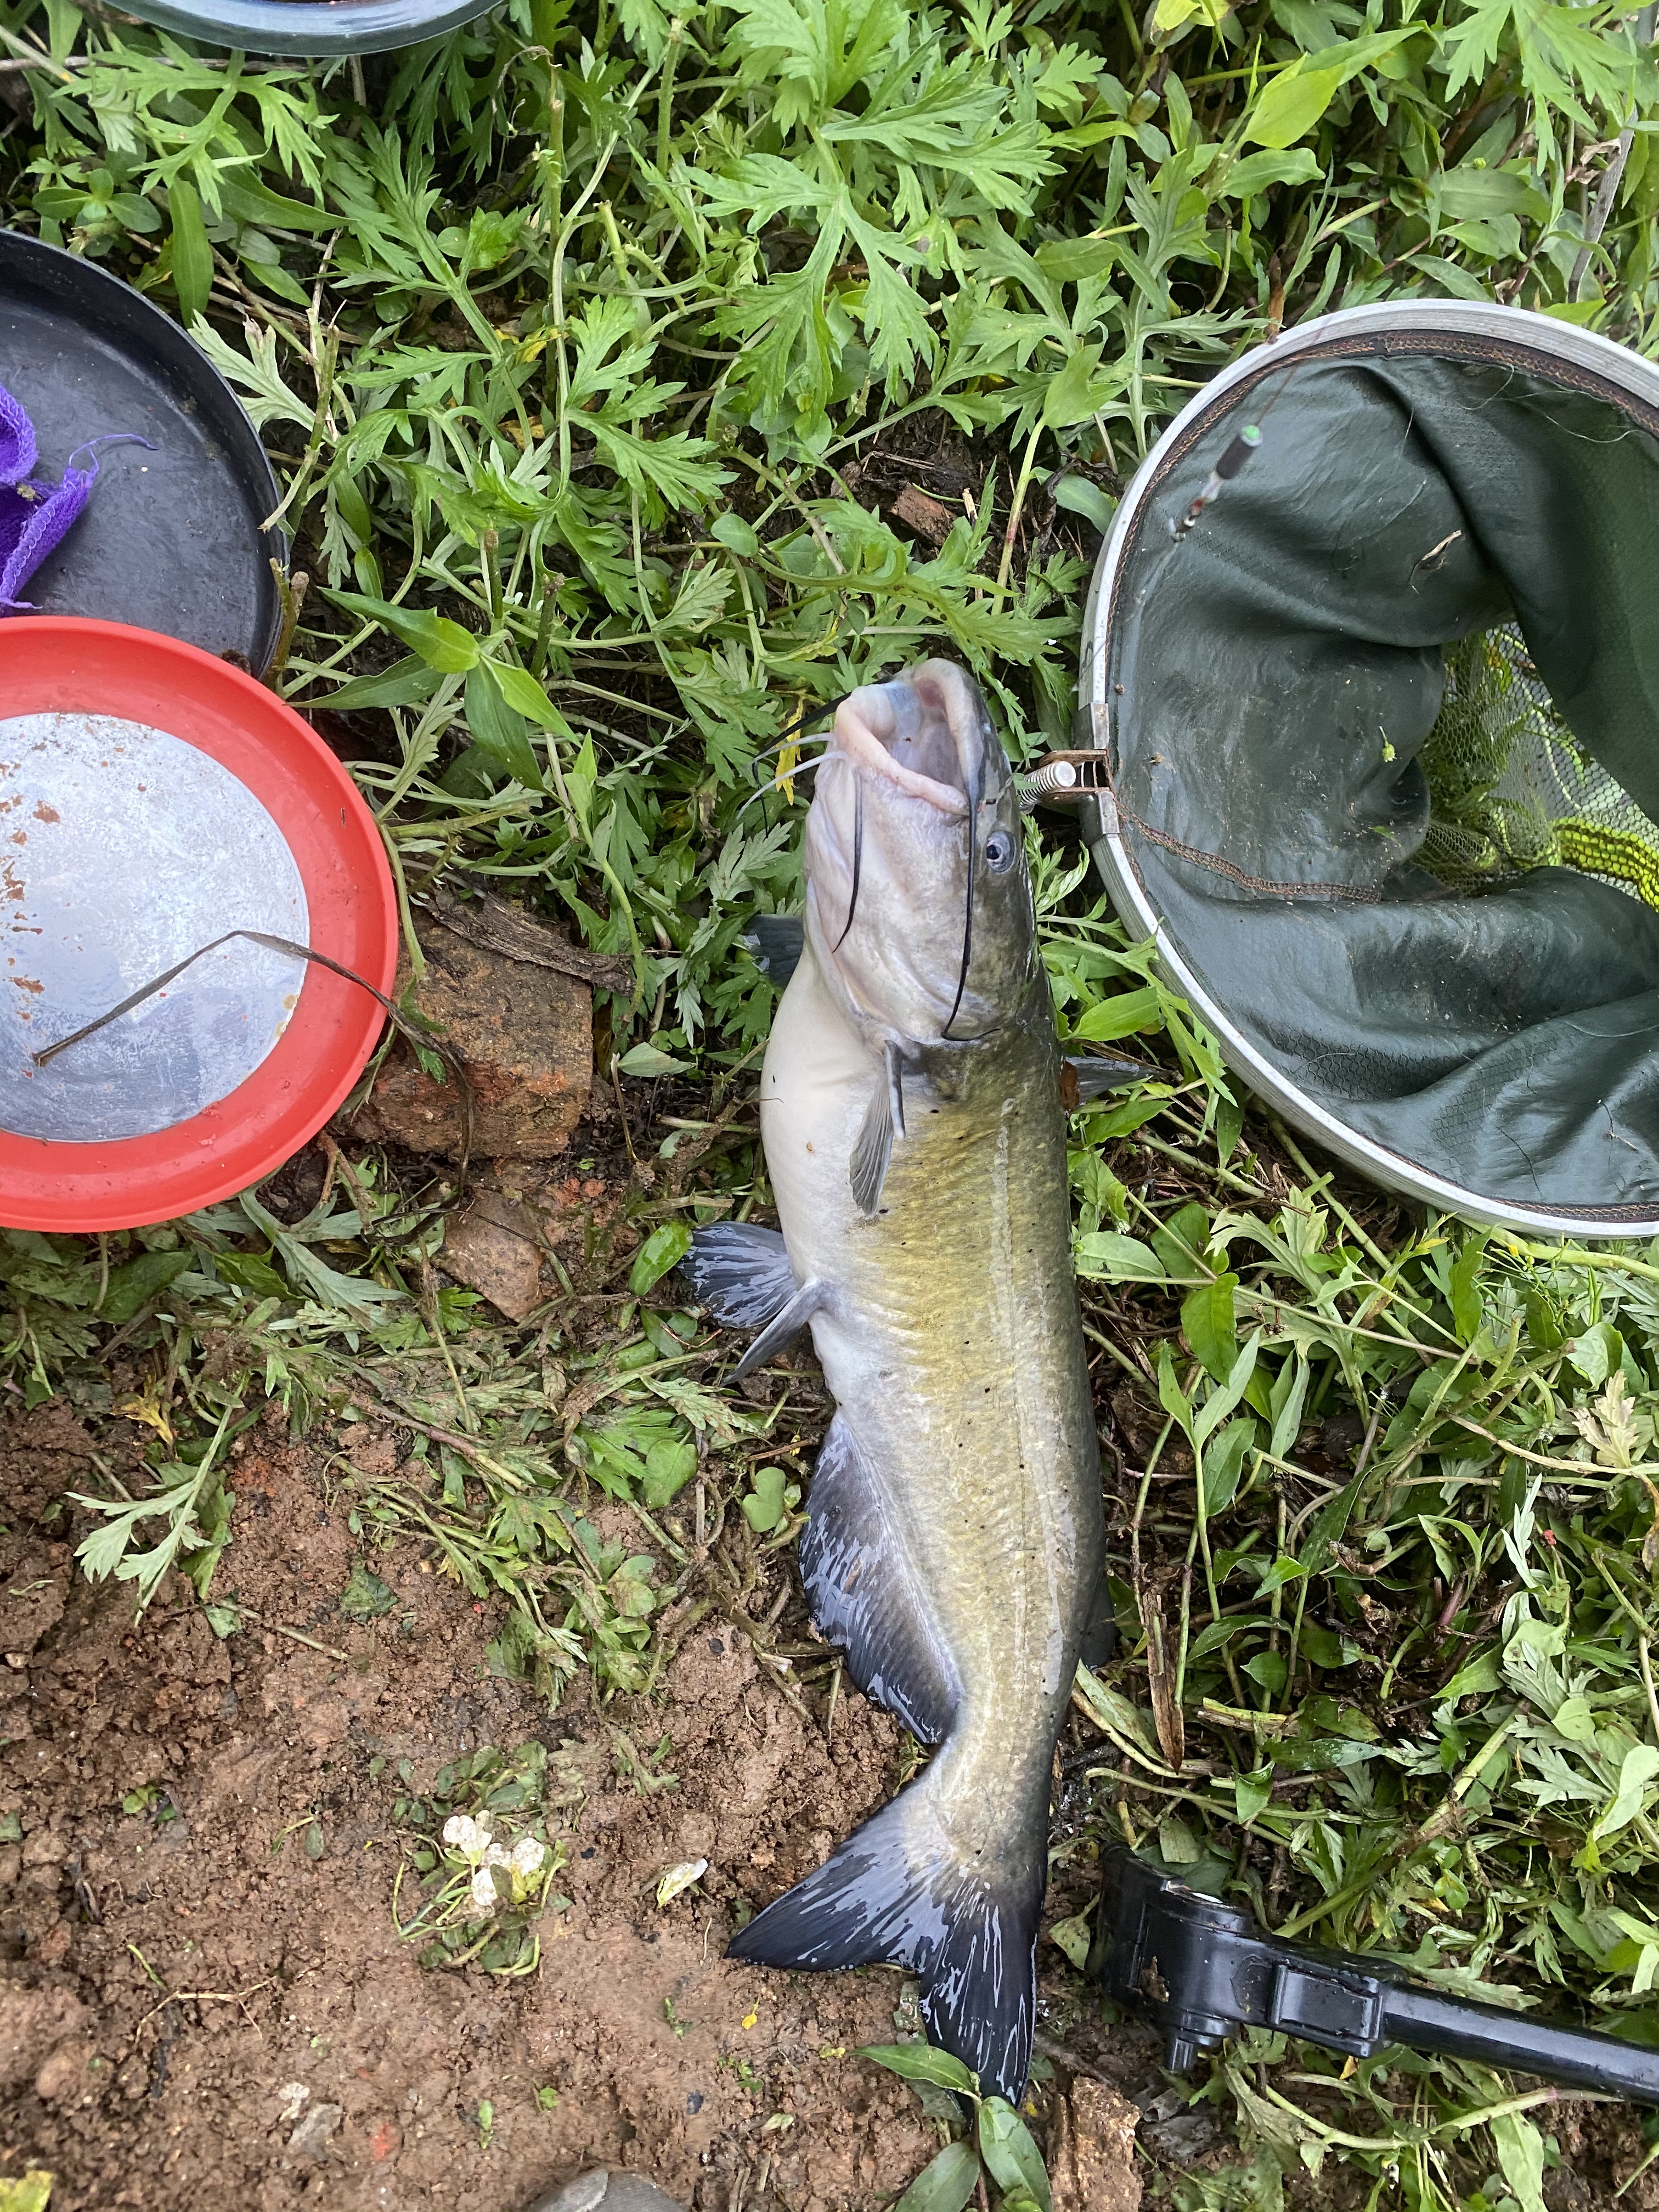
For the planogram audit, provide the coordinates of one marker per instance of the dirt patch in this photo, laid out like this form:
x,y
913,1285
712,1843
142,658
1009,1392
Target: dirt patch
x,y
203,2001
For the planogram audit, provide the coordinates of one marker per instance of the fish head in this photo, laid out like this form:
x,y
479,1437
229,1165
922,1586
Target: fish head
x,y
918,901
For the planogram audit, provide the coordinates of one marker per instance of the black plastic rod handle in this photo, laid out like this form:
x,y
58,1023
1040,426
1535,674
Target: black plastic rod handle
x,y
1201,1969
1577,2057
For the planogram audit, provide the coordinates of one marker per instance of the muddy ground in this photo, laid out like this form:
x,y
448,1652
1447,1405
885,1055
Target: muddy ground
x,y
195,2012
204,2003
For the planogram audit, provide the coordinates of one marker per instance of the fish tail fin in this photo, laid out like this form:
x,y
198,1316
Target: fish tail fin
x,y
898,1892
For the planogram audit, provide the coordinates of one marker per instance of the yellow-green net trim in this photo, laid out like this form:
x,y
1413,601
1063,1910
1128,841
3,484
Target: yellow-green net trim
x,y
1511,789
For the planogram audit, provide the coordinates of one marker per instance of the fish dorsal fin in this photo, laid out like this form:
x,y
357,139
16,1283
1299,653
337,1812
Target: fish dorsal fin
x,y
866,1595
884,1120
776,941
740,1273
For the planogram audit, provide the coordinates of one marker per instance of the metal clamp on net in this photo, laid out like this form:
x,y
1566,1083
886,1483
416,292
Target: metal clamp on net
x,y
1200,1971
1060,777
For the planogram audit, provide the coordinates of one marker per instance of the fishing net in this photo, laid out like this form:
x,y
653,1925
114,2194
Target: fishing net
x,y
1512,788
1373,661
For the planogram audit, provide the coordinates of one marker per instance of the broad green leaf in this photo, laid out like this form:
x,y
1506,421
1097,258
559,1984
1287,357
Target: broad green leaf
x,y
1011,2158
1117,1259
192,256
33,2192
648,1060
526,696
921,2062
1289,105
1170,1395
1073,1936
1257,173
1573,1719
499,728
945,2183
407,683
1224,1464
1637,1771
1121,1016
245,199
1207,1322
1222,1400
441,643
1468,1304
1079,496
764,1506
664,1248
1520,2150
1253,1792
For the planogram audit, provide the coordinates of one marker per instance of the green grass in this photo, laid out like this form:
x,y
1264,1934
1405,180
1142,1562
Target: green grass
x,y
591,345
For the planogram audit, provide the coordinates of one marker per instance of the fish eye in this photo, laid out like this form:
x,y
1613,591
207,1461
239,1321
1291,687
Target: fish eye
x,y
1000,852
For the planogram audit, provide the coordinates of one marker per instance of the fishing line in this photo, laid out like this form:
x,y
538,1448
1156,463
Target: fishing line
x,y
423,1041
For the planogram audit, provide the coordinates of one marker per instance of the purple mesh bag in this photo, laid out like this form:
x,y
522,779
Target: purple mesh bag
x,y
36,517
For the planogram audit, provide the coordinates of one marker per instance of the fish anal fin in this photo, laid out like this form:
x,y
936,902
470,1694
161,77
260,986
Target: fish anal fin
x,y
790,1321
897,1893
866,1595
739,1274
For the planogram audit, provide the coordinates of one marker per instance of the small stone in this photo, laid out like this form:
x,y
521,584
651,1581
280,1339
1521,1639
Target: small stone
x,y
1091,2150
492,1249
310,2138
32,2024
616,2192
291,2100
64,2074
523,1033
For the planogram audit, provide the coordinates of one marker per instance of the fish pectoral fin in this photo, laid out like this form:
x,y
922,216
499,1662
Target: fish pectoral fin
x,y
884,1120
866,1594
777,941
789,1323
739,1274
1095,1075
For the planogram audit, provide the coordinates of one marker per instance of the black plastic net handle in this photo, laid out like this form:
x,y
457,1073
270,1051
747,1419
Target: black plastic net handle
x,y
1200,1971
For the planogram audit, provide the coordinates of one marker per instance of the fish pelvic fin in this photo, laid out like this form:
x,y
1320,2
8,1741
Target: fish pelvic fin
x,y
899,1893
865,1595
884,1120
777,941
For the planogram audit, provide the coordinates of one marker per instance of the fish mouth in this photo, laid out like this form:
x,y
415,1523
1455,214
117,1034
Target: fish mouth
x,y
925,732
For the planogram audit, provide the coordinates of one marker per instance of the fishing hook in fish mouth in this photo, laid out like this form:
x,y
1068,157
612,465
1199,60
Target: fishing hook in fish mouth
x,y
857,857
976,785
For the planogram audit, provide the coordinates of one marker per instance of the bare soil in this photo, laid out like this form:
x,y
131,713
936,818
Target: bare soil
x,y
197,2012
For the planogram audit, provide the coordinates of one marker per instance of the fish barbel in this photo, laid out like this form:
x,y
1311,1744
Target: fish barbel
x,y
953,1549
